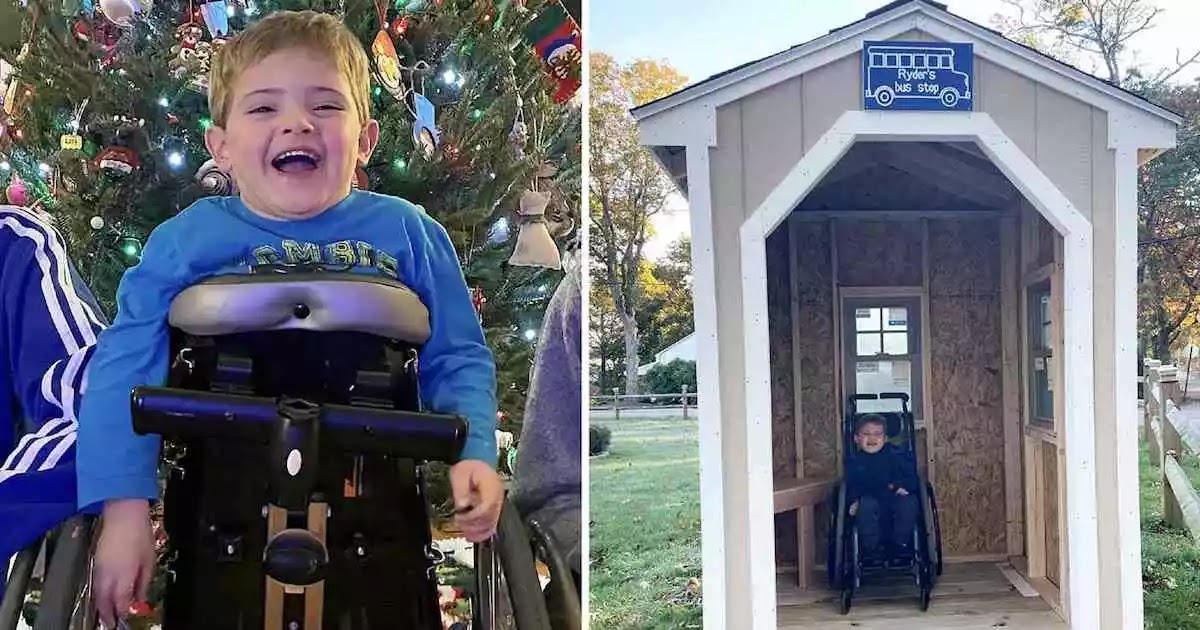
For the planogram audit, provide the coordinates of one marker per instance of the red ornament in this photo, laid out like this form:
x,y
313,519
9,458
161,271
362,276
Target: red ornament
x,y
117,160
400,25
478,300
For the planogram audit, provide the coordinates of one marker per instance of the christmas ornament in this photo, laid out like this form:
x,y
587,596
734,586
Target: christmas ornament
x,y
188,35
556,39
17,97
425,132
17,193
97,223
519,136
387,63
71,142
558,216
121,12
117,161
534,248
478,300
215,182
216,17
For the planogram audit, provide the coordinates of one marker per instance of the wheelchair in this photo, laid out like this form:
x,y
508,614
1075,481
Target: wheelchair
x,y
845,569
298,499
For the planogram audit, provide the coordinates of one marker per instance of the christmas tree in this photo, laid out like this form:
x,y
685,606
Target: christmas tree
x,y
105,106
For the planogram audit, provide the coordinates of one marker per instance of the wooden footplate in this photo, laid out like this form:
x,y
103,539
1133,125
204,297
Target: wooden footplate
x,y
278,594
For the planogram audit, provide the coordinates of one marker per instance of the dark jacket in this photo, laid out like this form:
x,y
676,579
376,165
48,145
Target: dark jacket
x,y
872,475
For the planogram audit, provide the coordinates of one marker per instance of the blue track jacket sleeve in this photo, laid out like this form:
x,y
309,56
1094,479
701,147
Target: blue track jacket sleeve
x,y
50,320
113,461
457,371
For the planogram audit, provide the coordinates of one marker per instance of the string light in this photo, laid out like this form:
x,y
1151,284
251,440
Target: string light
x,y
400,164
163,102
175,159
5,166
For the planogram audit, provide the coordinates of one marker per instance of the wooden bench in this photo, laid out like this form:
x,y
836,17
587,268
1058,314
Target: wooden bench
x,y
803,495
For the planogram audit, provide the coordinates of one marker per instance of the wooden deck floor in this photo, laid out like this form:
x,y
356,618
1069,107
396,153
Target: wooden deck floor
x,y
969,596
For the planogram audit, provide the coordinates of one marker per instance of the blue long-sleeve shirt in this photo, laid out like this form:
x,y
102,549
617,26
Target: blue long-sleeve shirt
x,y
216,235
48,327
872,474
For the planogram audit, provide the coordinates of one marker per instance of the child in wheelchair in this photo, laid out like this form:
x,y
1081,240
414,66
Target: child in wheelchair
x,y
290,105
882,493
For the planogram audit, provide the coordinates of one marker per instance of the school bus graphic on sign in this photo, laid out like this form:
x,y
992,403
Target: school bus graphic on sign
x,y
924,72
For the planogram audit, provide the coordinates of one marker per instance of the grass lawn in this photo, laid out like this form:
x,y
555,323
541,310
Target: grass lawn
x,y
645,527
1170,558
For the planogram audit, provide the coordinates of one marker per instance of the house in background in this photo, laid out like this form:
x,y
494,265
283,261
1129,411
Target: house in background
x,y
683,350
913,202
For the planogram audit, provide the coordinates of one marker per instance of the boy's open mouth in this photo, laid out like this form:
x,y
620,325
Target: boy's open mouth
x,y
296,161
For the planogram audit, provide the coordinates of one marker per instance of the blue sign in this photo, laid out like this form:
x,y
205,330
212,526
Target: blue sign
x,y
918,76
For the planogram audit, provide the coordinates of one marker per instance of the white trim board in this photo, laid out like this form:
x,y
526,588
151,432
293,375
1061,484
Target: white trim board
x,y
671,120
1079,433
708,388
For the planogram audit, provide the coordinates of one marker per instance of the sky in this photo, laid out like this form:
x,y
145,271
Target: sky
x,y
703,37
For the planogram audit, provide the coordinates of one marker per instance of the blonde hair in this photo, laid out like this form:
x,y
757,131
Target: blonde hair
x,y
320,33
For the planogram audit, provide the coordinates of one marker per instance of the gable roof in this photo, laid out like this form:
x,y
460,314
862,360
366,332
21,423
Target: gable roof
x,y
882,15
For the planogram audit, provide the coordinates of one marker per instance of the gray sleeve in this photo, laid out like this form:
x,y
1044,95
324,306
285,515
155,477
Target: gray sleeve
x,y
548,481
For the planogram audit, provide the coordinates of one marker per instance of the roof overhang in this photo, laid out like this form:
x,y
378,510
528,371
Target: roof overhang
x,y
688,117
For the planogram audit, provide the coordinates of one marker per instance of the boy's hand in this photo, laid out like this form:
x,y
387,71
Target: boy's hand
x,y
902,492
124,560
478,495
854,508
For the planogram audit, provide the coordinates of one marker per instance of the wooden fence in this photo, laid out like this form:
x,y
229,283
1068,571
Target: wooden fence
x,y
1181,505
683,401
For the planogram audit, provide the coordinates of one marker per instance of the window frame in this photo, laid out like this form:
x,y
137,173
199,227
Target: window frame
x,y
851,302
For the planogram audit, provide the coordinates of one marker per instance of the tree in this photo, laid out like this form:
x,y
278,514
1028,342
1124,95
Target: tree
x,y
627,187
1169,230
1168,217
606,341
669,299
106,131
1103,28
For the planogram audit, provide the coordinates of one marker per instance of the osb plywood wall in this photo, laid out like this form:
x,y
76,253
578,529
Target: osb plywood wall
x,y
879,253
818,404
965,384
779,320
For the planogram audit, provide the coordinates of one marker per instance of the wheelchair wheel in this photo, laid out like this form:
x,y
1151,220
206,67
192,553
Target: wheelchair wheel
x,y
66,592
847,596
18,585
838,524
926,594
937,528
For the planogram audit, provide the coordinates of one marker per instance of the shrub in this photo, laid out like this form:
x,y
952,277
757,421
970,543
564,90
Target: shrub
x,y
598,440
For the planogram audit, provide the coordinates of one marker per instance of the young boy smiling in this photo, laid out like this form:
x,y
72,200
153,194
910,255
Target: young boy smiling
x,y
291,121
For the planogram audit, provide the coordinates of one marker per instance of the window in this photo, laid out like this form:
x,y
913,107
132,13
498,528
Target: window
x,y
891,61
1040,363
919,61
882,350
876,60
906,61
